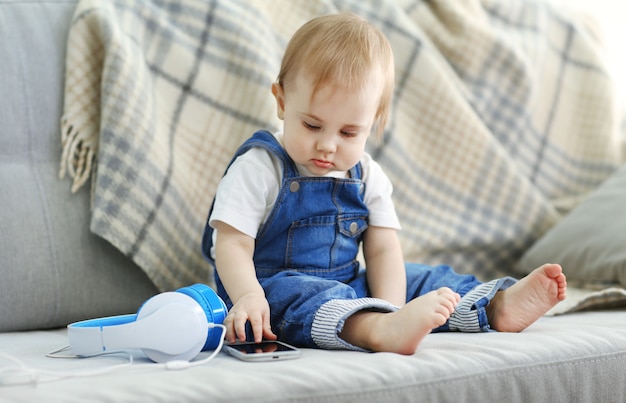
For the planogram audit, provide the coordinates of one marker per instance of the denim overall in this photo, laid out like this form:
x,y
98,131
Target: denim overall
x,y
305,259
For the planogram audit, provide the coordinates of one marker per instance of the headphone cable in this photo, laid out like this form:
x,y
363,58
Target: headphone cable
x,y
29,375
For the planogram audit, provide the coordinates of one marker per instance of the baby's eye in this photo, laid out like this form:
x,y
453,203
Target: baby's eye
x,y
310,126
349,134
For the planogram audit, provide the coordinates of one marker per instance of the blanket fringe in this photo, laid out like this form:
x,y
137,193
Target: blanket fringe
x,y
79,153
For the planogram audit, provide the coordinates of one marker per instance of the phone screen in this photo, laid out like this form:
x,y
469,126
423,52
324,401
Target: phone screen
x,y
264,351
262,347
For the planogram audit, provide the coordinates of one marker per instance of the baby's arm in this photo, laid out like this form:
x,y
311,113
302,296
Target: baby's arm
x,y
234,264
386,274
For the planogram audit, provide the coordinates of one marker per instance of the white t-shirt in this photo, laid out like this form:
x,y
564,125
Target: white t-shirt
x,y
244,201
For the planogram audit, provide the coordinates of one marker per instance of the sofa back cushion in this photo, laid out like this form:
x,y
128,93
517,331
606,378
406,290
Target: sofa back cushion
x,y
53,270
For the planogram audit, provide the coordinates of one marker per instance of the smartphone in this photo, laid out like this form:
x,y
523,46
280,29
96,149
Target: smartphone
x,y
263,351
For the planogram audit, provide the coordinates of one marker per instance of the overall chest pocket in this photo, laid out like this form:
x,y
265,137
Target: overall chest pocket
x,y
324,244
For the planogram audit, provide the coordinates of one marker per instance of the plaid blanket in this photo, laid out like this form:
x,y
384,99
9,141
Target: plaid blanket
x,y
503,118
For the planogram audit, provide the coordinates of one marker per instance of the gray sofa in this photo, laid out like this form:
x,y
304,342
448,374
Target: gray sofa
x,y
54,271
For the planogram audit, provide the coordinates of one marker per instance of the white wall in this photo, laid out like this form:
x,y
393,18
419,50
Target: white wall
x,y
611,17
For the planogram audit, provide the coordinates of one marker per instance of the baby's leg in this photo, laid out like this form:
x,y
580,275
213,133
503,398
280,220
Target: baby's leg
x,y
517,307
400,331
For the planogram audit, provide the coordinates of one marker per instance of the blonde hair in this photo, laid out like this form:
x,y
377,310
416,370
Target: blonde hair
x,y
341,48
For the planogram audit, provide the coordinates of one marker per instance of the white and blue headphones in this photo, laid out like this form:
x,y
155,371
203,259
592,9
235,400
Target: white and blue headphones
x,y
171,326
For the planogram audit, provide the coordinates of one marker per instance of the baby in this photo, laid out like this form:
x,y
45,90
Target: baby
x,y
293,208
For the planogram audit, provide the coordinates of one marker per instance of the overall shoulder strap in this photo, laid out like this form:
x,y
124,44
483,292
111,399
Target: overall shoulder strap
x,y
267,141
356,172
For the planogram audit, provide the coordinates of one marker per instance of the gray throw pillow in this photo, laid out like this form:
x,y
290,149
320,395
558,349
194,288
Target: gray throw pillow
x,y
590,242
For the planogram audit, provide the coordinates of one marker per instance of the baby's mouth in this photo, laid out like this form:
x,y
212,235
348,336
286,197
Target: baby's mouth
x,y
322,163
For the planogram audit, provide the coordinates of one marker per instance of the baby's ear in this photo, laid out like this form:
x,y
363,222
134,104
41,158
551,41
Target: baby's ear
x,y
279,94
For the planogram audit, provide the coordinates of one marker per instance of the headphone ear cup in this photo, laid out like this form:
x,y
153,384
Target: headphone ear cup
x,y
172,326
214,308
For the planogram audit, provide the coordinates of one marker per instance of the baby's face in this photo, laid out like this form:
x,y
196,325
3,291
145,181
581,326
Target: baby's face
x,y
327,132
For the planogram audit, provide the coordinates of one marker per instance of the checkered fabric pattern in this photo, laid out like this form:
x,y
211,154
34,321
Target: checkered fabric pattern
x,y
590,297
503,118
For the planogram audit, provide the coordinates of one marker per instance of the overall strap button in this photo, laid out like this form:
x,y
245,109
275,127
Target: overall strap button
x,y
294,186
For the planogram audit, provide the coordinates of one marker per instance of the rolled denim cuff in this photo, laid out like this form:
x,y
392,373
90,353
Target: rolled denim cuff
x,y
470,314
331,317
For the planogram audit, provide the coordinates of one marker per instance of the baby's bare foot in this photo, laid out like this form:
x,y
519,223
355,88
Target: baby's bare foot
x,y
517,307
401,331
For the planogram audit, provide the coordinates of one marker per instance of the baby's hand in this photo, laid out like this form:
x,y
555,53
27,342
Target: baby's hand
x,y
254,308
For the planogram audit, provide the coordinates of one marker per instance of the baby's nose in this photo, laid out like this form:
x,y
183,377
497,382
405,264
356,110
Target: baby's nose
x,y
326,144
